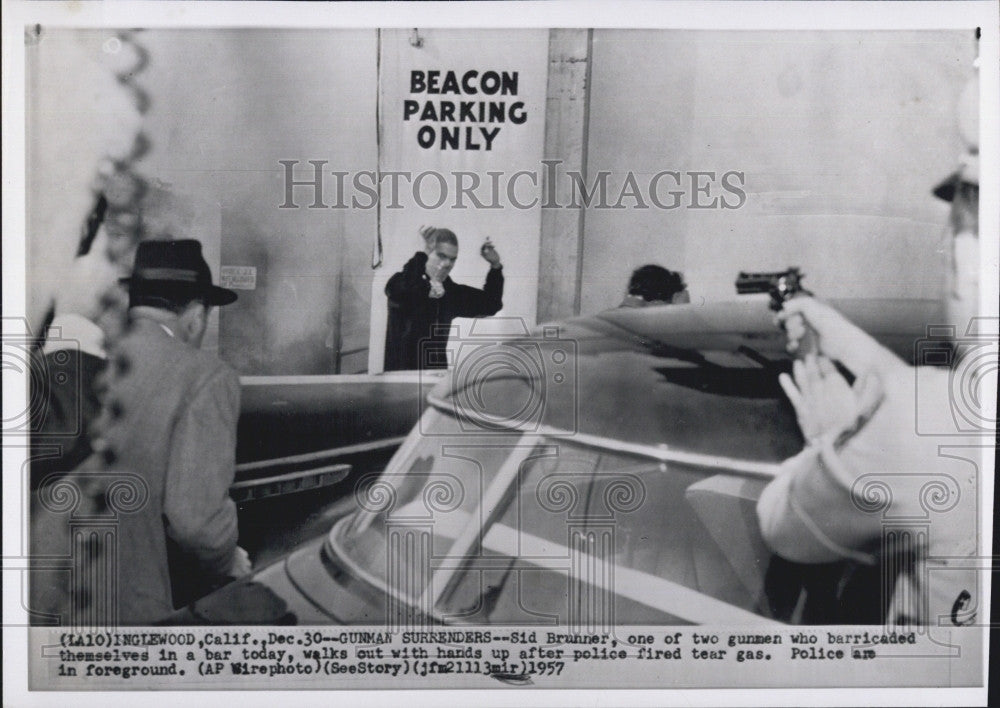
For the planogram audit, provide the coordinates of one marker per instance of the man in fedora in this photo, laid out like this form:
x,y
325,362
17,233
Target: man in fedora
x,y
170,415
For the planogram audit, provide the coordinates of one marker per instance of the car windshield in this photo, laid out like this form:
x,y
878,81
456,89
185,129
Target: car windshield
x,y
528,527
604,470
708,396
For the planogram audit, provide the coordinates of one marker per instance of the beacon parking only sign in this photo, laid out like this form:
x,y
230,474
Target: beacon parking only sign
x,y
463,110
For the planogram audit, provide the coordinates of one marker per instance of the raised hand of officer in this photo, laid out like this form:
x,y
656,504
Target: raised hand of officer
x,y
828,408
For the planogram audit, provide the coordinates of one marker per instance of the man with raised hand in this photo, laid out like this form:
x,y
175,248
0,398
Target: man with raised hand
x,y
423,301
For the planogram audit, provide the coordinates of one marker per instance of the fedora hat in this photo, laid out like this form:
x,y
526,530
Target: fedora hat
x,y
175,269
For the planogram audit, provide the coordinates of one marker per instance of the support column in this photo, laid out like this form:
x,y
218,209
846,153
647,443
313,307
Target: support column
x,y
566,117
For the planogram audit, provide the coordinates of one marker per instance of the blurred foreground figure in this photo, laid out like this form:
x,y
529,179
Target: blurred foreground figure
x,y
961,190
889,475
85,142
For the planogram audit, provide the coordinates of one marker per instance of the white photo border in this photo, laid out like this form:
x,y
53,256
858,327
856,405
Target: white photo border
x,y
678,15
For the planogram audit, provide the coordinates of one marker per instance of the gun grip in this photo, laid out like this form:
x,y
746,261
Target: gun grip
x,y
802,338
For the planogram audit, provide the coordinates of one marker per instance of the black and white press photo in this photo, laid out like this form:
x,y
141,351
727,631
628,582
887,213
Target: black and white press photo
x,y
410,348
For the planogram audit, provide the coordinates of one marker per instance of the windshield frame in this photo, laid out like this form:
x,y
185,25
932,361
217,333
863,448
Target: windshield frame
x,y
686,603
661,453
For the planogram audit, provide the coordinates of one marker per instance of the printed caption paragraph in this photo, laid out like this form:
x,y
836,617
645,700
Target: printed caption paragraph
x,y
363,657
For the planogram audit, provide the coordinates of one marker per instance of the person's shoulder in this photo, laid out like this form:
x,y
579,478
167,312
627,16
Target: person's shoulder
x,y
148,346
211,367
416,262
152,352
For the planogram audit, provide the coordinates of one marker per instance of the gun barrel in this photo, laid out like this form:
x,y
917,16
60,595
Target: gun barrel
x,y
781,285
748,283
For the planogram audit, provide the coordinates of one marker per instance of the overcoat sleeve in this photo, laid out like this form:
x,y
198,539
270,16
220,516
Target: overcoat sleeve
x,y
470,302
807,513
409,289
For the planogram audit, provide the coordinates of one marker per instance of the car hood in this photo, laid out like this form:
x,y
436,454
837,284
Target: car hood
x,y
699,379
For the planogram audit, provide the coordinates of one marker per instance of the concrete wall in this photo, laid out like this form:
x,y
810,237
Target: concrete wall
x,y
227,106
841,137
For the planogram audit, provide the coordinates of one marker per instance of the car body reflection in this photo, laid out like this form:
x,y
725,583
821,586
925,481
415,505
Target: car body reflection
x,y
620,491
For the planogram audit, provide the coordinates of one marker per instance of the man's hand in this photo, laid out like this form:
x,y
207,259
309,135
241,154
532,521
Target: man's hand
x,y
437,289
241,564
425,234
836,337
489,252
827,407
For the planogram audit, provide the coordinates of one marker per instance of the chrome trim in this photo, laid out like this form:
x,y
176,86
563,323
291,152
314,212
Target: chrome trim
x,y
719,463
321,454
389,377
255,489
291,475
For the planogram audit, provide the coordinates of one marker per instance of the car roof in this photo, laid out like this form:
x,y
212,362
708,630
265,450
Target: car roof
x,y
696,379
722,326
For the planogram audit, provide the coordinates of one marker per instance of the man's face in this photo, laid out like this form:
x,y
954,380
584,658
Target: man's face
x,y
963,301
440,260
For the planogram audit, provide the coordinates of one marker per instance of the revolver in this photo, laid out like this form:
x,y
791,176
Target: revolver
x,y
781,286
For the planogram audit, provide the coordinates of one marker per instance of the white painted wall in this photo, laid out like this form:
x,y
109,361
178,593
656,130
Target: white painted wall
x,y
841,136
227,105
